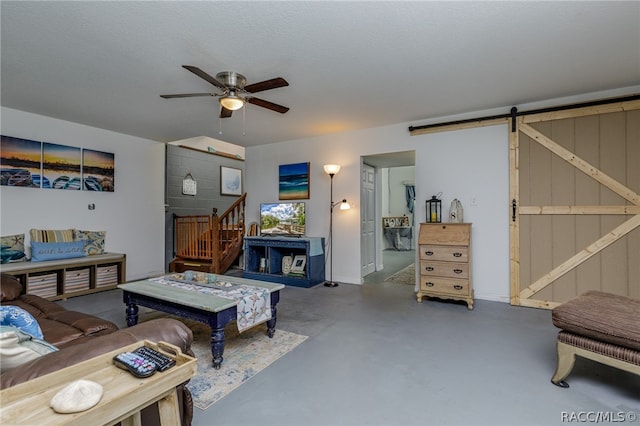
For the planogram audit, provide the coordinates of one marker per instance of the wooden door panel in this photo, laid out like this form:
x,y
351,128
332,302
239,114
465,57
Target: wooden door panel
x,y
578,221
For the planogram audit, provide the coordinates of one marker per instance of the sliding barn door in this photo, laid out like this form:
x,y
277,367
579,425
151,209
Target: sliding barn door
x,y
575,213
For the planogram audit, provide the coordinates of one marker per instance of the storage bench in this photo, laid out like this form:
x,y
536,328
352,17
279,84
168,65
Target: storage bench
x,y
58,279
599,326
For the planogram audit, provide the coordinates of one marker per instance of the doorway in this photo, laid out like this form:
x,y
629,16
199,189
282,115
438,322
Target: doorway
x,y
387,214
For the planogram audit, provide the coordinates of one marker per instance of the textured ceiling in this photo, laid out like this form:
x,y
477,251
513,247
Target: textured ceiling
x,y
350,65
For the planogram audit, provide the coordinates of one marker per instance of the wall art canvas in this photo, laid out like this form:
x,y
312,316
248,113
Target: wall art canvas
x,y
294,181
98,170
230,181
20,162
61,166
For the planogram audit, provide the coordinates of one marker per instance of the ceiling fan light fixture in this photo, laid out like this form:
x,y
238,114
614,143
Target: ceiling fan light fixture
x,y
232,102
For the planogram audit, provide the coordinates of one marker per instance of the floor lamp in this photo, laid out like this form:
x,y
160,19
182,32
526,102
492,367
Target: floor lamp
x,y
331,170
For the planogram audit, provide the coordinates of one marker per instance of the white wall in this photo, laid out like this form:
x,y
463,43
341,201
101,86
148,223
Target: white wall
x,y
133,215
397,198
464,164
461,164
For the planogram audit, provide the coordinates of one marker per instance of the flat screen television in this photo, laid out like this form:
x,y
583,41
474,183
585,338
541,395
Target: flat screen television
x,y
282,219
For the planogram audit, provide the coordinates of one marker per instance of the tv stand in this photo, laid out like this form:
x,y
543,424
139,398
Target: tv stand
x,y
273,248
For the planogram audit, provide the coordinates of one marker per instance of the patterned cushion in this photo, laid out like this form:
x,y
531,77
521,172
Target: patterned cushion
x,y
19,318
12,248
93,240
53,251
18,347
51,235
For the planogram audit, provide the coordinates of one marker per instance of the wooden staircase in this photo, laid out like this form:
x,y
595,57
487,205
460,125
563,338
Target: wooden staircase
x,y
209,243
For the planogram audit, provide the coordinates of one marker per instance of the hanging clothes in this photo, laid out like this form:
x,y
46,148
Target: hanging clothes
x,y
410,193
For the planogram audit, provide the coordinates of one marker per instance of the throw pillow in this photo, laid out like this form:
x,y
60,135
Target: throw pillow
x,y
10,287
21,319
93,240
53,251
18,347
51,235
12,248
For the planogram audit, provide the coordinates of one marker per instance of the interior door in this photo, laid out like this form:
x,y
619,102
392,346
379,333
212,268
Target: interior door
x,y
575,219
367,220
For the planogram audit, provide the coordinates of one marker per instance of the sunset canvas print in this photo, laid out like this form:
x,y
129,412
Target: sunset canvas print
x,y
61,166
98,170
20,162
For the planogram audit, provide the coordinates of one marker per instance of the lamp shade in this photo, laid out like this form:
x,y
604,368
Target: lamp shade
x,y
331,169
232,102
344,205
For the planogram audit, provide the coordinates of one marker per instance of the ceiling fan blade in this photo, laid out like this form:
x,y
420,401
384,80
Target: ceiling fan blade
x,y
225,113
186,95
197,71
269,105
274,83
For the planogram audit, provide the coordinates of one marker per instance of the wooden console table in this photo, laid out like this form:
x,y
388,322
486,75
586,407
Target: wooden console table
x,y
123,397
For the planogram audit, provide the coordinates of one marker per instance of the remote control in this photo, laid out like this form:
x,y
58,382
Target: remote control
x,y
161,360
135,364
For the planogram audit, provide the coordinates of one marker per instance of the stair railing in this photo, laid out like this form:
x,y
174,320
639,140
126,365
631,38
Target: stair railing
x,y
228,231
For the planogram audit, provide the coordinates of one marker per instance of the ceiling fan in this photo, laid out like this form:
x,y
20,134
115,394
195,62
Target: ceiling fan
x,y
235,92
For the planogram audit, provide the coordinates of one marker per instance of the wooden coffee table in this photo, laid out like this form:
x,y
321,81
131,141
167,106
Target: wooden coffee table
x,y
209,309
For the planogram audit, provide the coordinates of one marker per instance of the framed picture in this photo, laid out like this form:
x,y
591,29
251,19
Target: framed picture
x,y
230,181
299,262
294,181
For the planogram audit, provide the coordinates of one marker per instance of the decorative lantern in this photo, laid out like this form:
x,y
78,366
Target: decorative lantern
x,y
434,210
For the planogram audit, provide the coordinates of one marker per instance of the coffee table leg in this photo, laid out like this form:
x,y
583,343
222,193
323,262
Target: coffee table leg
x,y
271,324
132,314
217,346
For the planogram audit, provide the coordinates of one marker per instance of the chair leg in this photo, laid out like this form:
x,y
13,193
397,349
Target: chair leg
x,y
566,360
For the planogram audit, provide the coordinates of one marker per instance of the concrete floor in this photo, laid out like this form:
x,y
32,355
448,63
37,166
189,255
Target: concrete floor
x,y
377,357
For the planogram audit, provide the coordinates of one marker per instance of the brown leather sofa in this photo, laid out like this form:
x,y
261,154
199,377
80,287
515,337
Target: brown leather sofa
x,y
80,336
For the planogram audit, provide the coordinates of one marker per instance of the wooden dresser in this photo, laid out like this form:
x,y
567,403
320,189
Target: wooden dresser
x,y
445,261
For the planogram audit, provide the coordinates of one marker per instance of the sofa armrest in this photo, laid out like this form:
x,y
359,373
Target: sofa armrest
x,y
165,329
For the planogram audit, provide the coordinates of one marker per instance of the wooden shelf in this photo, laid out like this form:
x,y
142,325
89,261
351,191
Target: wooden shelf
x,y
59,279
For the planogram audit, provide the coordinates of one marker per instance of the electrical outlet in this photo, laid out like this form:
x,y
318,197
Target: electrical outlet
x,y
474,201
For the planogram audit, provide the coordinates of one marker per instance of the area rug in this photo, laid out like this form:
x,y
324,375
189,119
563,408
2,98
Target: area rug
x,y
404,276
245,355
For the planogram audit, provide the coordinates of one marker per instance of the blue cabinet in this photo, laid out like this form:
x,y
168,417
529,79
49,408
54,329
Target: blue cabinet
x,y
263,259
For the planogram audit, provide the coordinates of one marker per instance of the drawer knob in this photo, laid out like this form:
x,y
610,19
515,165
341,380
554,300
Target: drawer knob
x,y
429,284
458,287
429,268
457,254
428,253
457,271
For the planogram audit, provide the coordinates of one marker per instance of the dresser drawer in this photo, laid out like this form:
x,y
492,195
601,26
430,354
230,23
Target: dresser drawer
x,y
450,234
444,269
446,253
440,285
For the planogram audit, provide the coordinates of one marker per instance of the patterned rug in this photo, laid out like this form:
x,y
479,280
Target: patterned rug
x,y
404,276
245,355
